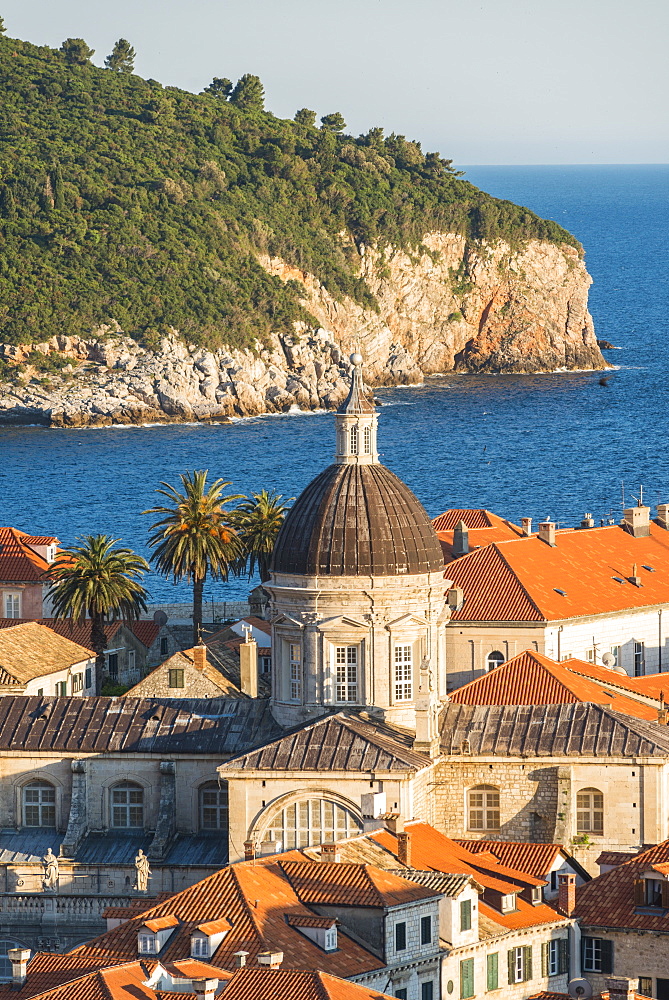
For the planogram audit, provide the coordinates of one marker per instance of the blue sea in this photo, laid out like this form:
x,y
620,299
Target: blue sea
x,y
544,445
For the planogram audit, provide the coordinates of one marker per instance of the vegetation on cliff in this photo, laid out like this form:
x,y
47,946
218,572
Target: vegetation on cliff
x,y
123,201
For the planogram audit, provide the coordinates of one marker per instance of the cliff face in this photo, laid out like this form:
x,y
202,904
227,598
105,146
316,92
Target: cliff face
x,y
451,307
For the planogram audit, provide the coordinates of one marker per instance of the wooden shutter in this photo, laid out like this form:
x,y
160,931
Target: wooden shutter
x,y
639,892
527,963
511,956
493,971
606,951
563,955
665,894
467,978
545,950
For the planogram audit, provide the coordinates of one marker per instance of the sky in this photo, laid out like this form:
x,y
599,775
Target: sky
x,y
494,82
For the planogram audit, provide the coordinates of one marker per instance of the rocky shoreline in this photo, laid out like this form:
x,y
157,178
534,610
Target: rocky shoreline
x,y
449,308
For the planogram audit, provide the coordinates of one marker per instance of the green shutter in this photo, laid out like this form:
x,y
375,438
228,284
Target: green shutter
x,y
512,965
467,978
527,963
466,915
493,971
606,951
563,955
545,952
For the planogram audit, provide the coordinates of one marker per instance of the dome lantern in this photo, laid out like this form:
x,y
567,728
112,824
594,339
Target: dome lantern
x,y
356,423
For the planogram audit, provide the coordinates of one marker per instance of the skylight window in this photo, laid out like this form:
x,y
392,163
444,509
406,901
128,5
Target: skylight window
x,y
562,593
618,579
651,569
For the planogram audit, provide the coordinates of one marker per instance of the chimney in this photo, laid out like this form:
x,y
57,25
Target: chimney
x,y
588,521
662,712
547,532
636,521
460,539
566,893
635,578
19,959
621,988
526,525
330,852
455,598
205,989
248,668
240,959
199,656
249,850
395,823
273,959
663,515
404,849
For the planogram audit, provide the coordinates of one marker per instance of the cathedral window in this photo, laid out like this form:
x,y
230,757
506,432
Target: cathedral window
x,y
295,651
354,439
403,672
590,811
127,805
367,440
39,804
311,821
213,806
483,808
346,662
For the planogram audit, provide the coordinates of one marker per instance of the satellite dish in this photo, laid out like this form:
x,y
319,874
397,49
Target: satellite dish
x,y
580,989
160,618
608,659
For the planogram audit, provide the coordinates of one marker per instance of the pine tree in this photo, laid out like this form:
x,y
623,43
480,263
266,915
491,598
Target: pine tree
x,y
76,51
2,26
122,57
249,93
334,122
305,117
219,87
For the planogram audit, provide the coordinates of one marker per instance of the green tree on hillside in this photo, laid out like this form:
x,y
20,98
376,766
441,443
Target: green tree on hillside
x,y
2,26
122,57
220,86
306,117
97,579
194,537
76,51
334,122
248,93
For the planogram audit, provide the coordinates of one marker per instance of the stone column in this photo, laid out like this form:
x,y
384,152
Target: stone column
x,y
77,822
165,826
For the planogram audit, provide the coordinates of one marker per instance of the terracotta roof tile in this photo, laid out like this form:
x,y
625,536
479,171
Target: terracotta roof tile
x,y
608,900
534,859
81,631
30,650
161,923
281,984
18,562
339,884
614,858
483,526
491,589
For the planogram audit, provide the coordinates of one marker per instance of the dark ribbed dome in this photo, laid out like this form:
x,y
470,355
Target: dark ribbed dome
x,y
357,520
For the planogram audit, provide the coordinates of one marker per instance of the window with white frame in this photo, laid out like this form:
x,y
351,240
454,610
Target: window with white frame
x,y
12,605
295,670
508,902
354,439
213,806
331,938
615,653
639,658
591,654
403,672
127,805
199,947
311,821
520,964
553,958
346,666
39,804
77,683
495,659
597,954
147,944
367,439
590,811
483,807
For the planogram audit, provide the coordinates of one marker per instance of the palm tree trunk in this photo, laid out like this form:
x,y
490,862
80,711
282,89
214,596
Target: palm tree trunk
x,y
198,587
99,643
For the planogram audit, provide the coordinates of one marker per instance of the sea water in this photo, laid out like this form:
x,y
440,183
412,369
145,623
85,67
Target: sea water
x,y
553,445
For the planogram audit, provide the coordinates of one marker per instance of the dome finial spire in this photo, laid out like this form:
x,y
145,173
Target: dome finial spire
x,y
356,422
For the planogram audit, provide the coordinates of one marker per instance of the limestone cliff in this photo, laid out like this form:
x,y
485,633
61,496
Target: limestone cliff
x,y
451,306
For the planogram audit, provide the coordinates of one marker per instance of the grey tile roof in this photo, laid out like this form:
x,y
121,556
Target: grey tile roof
x,y
27,846
549,731
134,725
340,742
447,884
111,848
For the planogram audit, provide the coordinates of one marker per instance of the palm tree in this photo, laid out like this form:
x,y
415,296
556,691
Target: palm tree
x,y
194,536
97,579
258,521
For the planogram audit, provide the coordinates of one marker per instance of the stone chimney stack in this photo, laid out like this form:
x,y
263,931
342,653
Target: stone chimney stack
x,y
248,668
526,525
199,656
19,958
547,532
404,849
330,852
272,959
636,521
460,539
240,959
205,989
588,521
621,988
566,893
395,823
663,515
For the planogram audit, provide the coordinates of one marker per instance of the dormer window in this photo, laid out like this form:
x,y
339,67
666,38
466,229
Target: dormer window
x,y
154,933
147,944
537,895
652,889
321,930
206,938
508,903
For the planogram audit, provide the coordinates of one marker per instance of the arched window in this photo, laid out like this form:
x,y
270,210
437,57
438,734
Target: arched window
x,y
495,659
483,807
590,811
39,804
311,821
213,806
127,806
354,439
367,439
5,964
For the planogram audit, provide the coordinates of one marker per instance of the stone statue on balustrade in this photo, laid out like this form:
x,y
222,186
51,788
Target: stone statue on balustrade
x,y
143,872
51,872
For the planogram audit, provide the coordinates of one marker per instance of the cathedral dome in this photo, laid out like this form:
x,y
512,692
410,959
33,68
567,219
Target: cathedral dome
x,y
357,520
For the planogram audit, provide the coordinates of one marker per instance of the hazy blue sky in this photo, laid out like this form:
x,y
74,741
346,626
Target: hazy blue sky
x,y
498,81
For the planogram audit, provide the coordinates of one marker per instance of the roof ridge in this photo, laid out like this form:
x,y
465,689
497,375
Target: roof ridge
x,y
495,546
246,906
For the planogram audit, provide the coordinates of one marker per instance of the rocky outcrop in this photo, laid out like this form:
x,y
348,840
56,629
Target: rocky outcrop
x,y
451,306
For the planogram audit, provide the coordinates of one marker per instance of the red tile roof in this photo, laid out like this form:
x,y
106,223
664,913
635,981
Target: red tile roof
x,y
281,984
81,631
483,526
614,858
69,977
337,884
525,579
18,562
534,859
530,678
161,923
608,900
